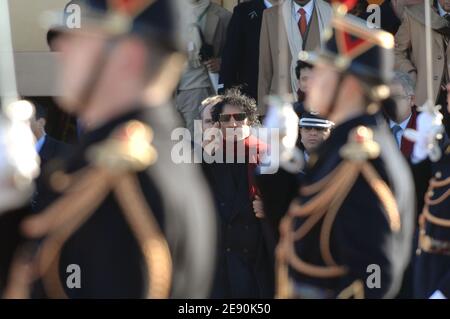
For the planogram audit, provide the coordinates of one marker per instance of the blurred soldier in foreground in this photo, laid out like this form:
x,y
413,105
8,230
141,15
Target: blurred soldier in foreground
x,y
125,225
348,231
19,164
19,161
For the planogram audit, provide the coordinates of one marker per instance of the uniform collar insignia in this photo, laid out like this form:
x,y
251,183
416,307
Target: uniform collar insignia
x,y
129,147
130,8
350,45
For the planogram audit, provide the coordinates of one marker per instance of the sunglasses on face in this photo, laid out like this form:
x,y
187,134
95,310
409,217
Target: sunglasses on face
x,y
236,116
309,128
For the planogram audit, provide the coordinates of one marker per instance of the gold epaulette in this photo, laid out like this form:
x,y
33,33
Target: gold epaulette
x,y
360,145
129,148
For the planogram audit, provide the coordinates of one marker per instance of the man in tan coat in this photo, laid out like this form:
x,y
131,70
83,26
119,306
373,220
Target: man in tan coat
x,y
410,49
399,5
302,23
208,28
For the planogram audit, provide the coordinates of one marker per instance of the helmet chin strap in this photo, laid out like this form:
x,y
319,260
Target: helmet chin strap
x,y
96,72
332,103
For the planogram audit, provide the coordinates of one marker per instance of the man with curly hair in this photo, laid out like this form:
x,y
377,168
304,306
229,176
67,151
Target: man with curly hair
x,y
244,266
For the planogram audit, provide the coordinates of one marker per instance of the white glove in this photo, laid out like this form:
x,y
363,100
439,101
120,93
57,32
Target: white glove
x,y
429,130
437,295
282,120
19,162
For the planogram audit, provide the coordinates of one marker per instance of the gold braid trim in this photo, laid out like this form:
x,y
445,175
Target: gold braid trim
x,y
48,262
435,220
60,220
80,199
319,208
319,185
426,215
322,199
355,290
21,275
306,227
384,195
313,270
67,215
325,232
436,184
283,284
286,256
153,245
440,199
74,210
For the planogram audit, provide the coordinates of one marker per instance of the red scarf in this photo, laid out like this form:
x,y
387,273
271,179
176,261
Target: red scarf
x,y
254,149
261,148
407,145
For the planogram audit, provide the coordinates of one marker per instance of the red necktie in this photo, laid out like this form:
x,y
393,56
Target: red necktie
x,y
302,24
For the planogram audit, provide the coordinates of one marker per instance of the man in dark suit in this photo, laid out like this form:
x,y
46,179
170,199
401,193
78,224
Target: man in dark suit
x,y
402,92
49,149
241,53
405,117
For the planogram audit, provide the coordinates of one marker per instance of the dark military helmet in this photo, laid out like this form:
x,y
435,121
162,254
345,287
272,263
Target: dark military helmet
x,y
148,18
159,20
353,48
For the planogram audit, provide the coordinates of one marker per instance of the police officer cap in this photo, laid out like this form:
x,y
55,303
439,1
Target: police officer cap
x,y
311,119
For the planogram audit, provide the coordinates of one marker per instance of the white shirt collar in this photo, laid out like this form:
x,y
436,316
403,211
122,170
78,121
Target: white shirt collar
x,y
267,4
442,12
40,143
403,124
309,7
306,156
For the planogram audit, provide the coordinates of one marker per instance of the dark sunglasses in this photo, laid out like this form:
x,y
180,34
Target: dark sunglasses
x,y
236,116
309,128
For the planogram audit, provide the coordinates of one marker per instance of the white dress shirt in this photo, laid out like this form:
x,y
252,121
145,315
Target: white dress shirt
x,y
306,156
309,7
403,126
267,4
40,143
442,12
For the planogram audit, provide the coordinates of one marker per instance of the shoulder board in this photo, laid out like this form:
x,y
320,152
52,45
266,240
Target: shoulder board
x,y
128,148
360,145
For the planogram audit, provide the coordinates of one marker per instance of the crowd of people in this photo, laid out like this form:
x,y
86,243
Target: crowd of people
x,y
139,225
260,57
